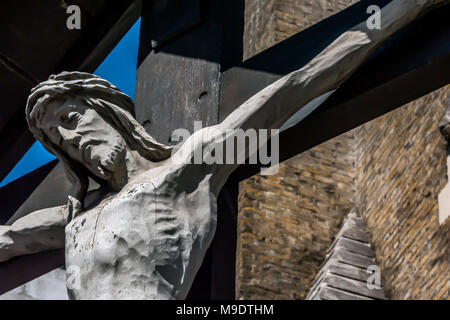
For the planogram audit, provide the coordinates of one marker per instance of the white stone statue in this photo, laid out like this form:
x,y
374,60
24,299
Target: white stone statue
x,y
143,234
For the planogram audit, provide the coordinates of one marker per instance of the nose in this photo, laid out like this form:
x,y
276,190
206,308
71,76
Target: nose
x,y
69,136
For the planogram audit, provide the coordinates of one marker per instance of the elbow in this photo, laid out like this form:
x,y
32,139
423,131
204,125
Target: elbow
x,y
6,243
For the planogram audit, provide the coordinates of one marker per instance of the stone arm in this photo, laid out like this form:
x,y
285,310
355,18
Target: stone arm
x,y
274,105
39,231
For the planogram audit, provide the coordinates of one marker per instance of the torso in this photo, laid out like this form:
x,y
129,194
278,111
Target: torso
x,y
145,242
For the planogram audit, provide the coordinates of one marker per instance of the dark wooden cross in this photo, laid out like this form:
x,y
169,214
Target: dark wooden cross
x,y
190,69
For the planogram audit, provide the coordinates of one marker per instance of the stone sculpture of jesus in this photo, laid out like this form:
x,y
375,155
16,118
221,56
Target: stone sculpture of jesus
x,y
143,234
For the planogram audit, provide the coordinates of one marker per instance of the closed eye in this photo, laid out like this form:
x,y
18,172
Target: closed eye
x,y
70,116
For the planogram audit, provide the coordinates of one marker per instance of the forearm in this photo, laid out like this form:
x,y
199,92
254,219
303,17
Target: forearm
x,y
39,231
273,106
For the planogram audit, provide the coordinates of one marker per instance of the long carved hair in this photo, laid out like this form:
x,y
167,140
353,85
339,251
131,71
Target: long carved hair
x,y
109,102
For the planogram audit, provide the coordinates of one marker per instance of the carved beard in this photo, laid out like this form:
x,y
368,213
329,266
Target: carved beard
x,y
109,163
105,165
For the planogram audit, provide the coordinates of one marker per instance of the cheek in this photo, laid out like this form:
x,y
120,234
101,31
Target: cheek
x,y
117,141
112,150
110,138
101,152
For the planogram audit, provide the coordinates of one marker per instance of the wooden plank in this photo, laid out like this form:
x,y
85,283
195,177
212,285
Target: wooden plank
x,y
179,83
13,141
328,293
353,286
354,246
223,247
355,234
343,275
352,258
14,194
169,19
349,271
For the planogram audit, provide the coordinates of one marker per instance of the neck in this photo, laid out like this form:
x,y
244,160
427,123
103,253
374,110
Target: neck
x,y
132,165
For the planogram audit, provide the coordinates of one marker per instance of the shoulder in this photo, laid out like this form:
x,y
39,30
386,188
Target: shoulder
x,y
194,145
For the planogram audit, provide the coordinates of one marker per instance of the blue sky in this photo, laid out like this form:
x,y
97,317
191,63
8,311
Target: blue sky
x,y
119,68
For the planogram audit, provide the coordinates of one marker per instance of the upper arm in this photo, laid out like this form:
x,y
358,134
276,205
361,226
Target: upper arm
x,y
194,153
39,231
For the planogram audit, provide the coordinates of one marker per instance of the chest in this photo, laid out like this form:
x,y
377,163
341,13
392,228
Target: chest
x,y
143,222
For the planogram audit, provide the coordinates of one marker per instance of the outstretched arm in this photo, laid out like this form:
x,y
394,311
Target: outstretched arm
x,y
39,231
273,106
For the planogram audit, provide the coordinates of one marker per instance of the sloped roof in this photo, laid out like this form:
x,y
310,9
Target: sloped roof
x,y
345,273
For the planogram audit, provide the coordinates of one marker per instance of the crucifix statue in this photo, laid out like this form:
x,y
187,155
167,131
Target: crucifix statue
x,y
144,232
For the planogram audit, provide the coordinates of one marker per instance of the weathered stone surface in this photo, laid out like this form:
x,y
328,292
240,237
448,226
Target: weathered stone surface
x,y
155,216
147,232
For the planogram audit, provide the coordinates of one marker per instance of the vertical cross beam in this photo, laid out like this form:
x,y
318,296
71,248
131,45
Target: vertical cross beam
x,y
184,47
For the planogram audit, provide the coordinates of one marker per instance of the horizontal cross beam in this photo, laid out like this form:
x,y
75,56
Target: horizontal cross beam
x,y
413,63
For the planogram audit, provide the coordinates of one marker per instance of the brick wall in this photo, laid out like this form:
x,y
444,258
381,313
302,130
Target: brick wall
x,y
259,32
392,168
401,168
292,16
286,222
